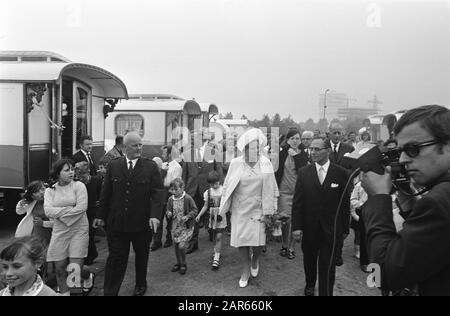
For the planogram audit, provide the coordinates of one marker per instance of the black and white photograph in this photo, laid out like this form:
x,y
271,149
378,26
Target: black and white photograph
x,y
223,153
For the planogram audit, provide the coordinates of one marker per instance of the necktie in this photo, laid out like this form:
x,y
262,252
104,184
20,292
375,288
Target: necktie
x,y
130,167
89,158
335,153
321,175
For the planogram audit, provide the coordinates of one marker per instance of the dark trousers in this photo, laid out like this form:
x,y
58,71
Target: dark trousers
x,y
157,238
199,201
119,250
317,249
92,248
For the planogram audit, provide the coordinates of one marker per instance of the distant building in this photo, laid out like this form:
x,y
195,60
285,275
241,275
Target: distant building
x,y
352,113
334,101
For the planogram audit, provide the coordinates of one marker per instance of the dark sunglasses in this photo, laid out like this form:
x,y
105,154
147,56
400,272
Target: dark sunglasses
x,y
413,150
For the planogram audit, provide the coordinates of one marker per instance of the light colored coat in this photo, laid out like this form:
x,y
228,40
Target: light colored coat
x,y
26,225
270,188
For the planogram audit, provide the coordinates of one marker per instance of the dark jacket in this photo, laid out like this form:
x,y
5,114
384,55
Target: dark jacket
x,y
420,253
195,174
111,155
340,160
94,188
80,157
315,205
129,201
300,160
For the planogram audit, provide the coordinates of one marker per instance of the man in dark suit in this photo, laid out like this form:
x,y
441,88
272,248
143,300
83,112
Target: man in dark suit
x,y
420,252
337,156
198,161
115,152
338,147
84,154
131,207
307,138
318,191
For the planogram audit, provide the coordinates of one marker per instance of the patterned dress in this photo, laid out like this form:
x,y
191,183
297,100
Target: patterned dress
x,y
180,232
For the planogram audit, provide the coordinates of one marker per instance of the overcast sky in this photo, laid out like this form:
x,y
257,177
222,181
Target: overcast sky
x,y
250,56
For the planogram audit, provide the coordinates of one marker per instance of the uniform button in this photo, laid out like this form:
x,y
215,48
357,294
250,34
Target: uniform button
x,y
128,183
126,209
128,192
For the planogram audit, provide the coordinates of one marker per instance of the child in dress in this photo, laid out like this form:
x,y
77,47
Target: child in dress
x,y
217,223
182,210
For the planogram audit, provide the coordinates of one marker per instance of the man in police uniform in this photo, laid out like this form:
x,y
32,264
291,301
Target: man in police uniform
x,y
130,206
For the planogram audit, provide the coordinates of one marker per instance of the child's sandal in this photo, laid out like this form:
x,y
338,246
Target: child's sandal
x,y
283,252
183,269
291,255
216,264
176,268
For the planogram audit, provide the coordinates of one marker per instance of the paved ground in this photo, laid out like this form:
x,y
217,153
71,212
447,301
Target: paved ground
x,y
279,276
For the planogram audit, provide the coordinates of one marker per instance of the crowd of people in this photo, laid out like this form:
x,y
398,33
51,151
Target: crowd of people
x,y
304,188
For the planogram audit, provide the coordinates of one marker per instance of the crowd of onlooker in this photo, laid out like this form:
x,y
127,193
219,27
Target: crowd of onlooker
x,y
245,188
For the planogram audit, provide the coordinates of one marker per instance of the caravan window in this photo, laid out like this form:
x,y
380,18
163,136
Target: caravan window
x,y
129,123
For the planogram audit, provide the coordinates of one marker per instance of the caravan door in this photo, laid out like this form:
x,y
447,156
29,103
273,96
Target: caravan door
x,y
76,115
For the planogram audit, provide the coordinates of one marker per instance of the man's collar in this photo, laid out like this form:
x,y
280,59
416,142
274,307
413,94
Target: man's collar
x,y
326,166
134,160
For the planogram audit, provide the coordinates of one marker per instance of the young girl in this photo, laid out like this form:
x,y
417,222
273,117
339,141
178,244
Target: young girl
x,y
216,222
182,210
21,262
35,223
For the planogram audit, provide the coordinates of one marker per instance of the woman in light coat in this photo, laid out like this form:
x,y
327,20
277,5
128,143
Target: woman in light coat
x,y
250,193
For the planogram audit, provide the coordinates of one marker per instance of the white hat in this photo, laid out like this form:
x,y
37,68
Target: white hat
x,y
250,136
158,161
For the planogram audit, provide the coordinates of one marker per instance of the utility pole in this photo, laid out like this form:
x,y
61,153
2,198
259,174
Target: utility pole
x,y
375,102
325,104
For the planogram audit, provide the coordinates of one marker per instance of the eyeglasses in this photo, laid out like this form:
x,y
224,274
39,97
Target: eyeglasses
x,y
413,150
316,148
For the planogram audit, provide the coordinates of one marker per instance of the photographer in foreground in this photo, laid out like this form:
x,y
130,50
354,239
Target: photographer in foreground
x,y
420,253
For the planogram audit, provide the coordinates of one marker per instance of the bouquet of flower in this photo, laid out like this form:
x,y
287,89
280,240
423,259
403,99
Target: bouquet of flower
x,y
272,224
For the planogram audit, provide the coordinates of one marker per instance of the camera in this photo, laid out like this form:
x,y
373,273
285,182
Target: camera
x,y
375,160
391,158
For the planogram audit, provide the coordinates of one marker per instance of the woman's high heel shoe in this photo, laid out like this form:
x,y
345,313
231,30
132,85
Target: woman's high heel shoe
x,y
244,283
255,272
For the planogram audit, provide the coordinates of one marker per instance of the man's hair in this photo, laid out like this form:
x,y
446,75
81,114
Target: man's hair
x,y
131,136
83,138
335,125
119,140
326,143
433,118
